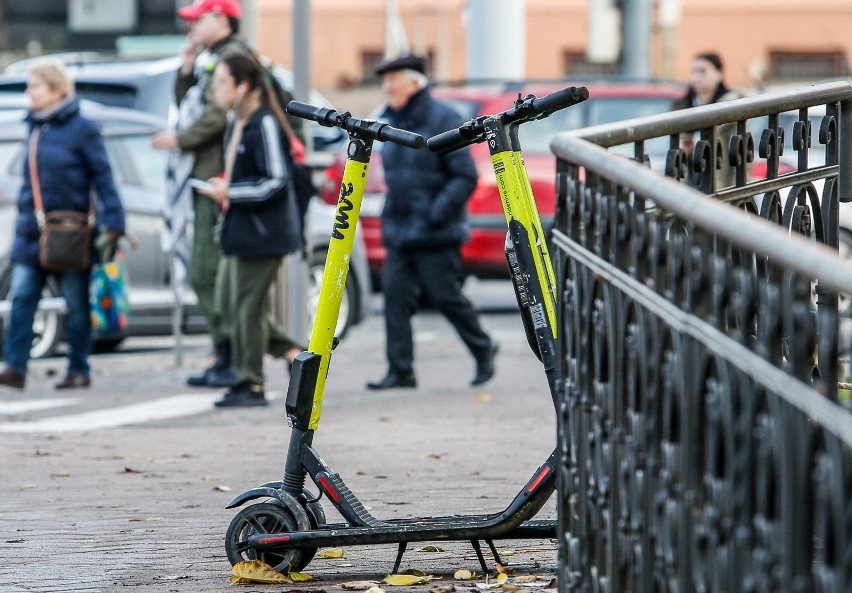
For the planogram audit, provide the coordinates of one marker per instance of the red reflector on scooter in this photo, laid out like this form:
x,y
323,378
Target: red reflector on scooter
x,y
277,539
538,479
328,488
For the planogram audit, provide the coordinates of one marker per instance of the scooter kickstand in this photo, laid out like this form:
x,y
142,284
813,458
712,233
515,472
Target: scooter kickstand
x,y
494,552
400,551
478,550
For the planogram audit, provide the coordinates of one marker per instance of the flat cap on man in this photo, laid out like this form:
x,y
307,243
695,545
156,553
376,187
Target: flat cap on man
x,y
407,62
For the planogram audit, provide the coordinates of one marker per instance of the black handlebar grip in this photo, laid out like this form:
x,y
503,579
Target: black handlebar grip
x,y
321,115
448,141
403,137
560,100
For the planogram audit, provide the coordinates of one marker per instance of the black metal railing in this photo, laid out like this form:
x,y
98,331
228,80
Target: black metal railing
x,y
706,438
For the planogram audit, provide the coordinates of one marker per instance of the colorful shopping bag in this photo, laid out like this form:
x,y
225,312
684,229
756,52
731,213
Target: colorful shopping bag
x,y
108,298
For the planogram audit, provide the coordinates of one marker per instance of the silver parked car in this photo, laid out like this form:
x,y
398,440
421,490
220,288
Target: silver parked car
x,y
140,175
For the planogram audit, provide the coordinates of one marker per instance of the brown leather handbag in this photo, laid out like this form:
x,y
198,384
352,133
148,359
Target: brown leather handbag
x,y
65,242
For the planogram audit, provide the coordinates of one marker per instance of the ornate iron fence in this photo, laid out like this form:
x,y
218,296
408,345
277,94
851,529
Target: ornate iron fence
x,y
705,445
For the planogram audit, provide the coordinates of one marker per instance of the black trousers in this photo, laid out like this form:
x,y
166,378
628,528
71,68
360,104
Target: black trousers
x,y
436,273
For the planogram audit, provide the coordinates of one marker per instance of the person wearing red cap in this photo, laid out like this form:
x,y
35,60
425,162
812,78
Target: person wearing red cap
x,y
196,147
199,8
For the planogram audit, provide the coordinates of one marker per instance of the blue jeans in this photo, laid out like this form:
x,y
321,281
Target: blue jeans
x,y
27,285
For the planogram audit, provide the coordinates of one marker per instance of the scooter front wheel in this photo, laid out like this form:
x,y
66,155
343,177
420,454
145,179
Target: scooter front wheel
x,y
266,517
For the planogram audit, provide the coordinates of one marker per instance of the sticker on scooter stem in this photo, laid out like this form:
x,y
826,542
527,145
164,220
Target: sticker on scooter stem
x,y
344,206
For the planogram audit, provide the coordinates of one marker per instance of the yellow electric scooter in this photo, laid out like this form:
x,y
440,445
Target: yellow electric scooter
x,y
287,528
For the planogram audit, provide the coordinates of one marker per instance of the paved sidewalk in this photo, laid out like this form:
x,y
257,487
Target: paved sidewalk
x,y
141,508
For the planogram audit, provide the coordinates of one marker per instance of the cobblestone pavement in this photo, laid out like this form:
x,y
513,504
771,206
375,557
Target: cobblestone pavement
x,y
140,507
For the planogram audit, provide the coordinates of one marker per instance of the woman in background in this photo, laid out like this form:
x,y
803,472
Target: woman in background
x,y
71,163
260,224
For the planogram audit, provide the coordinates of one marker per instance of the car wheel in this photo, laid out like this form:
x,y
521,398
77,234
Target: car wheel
x,y
47,325
348,306
844,304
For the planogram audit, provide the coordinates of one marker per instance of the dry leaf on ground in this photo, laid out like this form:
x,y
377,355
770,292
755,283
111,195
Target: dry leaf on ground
x,y
406,580
331,553
431,549
255,571
300,577
359,585
443,589
464,574
375,589
222,488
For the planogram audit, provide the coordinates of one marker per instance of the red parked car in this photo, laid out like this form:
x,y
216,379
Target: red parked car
x,y
483,254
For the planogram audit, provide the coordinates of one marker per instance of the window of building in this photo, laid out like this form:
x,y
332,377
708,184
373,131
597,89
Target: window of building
x,y
785,64
574,63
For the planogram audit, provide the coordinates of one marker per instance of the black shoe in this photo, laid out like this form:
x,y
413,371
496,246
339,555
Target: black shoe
x,y
222,377
220,373
12,378
201,379
485,367
394,381
74,381
242,396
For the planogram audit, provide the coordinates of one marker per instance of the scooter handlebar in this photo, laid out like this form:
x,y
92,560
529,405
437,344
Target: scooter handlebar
x,y
322,115
447,141
526,109
397,136
377,130
553,102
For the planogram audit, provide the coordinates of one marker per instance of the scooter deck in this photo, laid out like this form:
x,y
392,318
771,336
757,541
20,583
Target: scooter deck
x,y
403,530
515,522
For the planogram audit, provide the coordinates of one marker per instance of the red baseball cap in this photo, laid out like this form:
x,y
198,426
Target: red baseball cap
x,y
194,11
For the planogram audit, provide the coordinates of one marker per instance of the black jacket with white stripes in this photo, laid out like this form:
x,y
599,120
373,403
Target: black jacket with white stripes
x,y
262,218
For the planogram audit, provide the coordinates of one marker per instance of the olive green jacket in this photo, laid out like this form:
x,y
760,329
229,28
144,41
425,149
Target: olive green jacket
x,y
206,135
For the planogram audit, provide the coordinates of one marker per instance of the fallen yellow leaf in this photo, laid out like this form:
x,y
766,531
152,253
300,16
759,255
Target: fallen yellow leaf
x,y
406,580
256,571
414,571
359,585
431,549
502,578
482,398
300,577
464,574
331,553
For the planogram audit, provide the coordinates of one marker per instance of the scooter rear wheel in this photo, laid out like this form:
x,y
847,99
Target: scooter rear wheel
x,y
266,517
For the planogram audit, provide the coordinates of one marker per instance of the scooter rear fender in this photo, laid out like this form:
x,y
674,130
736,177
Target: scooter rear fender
x,y
254,493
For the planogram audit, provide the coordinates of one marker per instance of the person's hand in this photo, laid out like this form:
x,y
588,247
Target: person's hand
x,y
106,243
219,193
165,140
188,54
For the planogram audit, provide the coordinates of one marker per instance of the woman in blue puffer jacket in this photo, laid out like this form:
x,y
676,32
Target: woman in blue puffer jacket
x,y
72,168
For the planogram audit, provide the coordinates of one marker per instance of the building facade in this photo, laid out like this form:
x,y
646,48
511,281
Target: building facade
x,y
759,40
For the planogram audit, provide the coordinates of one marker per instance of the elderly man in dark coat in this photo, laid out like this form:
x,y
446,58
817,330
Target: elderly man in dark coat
x,y
424,225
